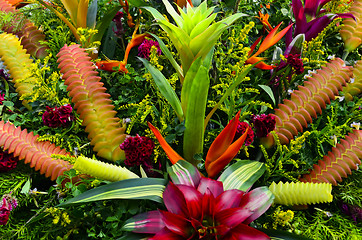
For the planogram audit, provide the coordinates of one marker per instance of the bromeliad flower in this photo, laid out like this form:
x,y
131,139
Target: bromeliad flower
x,y
307,21
272,38
203,208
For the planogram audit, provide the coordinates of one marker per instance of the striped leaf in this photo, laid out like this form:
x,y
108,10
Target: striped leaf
x,y
141,188
184,173
242,175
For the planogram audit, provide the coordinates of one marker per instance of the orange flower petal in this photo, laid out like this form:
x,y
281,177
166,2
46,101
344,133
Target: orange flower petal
x,y
219,164
171,154
222,141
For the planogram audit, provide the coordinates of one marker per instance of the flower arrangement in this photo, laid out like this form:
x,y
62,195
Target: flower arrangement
x,y
180,119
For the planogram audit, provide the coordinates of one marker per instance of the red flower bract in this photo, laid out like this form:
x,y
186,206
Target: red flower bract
x,y
56,117
7,162
205,211
263,124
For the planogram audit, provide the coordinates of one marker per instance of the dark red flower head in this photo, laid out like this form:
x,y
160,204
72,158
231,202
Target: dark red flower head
x,y
242,126
138,151
7,161
118,21
263,124
4,74
56,117
144,49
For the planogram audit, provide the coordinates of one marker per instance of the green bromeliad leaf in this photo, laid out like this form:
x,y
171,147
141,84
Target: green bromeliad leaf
x,y
184,173
165,88
140,188
242,175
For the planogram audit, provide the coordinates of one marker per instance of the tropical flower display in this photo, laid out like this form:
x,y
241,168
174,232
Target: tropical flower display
x,y
170,119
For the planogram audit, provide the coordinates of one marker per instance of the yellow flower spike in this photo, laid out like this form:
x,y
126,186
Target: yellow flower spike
x,y
102,170
18,62
301,193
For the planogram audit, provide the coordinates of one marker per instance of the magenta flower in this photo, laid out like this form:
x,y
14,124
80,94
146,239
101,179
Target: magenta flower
x,y
4,212
263,124
200,208
7,161
138,151
144,49
2,98
241,128
8,204
56,117
307,21
354,211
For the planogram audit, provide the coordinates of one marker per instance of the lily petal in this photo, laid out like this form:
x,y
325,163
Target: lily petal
x,y
258,201
193,201
171,154
232,217
148,222
216,187
208,205
228,199
217,165
166,234
174,200
300,18
177,224
245,232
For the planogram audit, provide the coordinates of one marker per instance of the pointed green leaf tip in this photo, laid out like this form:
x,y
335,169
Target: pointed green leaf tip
x,y
242,175
140,188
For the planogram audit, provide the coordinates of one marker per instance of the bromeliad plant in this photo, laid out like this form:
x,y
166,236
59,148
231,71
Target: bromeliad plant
x,y
194,38
203,208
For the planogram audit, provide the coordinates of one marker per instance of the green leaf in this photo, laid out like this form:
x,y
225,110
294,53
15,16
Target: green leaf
x,y
242,175
179,21
26,188
187,84
110,42
228,92
140,188
269,91
92,14
102,25
138,3
184,173
168,54
165,88
195,114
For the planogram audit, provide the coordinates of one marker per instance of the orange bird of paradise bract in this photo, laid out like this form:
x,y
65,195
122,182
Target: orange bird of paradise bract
x,y
110,65
220,153
272,38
